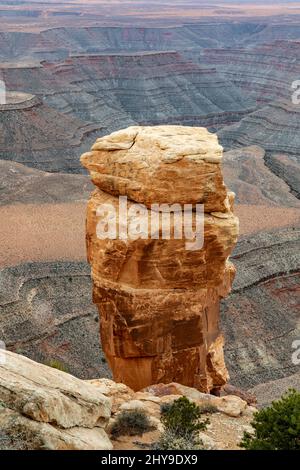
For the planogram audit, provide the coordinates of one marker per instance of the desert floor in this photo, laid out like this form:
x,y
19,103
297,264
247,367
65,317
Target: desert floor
x,y
49,232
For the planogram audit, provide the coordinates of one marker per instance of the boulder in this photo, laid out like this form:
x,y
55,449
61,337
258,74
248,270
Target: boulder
x,y
160,164
230,405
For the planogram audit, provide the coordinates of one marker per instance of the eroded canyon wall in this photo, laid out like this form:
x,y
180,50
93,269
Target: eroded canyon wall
x,y
158,299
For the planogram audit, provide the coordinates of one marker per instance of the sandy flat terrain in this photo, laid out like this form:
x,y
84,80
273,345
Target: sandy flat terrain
x,y
42,232
263,218
49,232
111,13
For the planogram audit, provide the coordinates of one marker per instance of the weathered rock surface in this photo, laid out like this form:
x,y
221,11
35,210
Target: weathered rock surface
x,y
53,409
231,405
158,301
229,416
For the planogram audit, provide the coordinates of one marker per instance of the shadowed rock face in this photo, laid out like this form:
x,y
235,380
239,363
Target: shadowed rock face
x,y
158,300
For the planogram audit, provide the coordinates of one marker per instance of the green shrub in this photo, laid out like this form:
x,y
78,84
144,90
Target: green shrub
x,y
276,427
183,418
182,423
131,423
57,365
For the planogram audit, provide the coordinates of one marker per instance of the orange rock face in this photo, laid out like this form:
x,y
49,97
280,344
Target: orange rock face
x,y
158,297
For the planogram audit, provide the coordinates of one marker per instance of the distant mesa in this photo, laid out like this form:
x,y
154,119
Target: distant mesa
x,y
16,97
18,100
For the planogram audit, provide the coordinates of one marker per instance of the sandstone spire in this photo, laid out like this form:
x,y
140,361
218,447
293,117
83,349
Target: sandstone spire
x,y
159,301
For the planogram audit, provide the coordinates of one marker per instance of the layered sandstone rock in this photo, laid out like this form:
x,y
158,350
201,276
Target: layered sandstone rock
x,y
159,298
50,409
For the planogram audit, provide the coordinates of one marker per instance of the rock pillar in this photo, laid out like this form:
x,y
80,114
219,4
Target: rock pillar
x,y
158,297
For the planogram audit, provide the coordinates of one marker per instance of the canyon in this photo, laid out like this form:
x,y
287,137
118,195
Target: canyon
x,y
171,89
76,77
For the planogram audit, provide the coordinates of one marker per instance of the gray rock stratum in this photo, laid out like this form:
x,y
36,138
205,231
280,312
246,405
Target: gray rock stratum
x,y
261,317
248,174
64,41
22,185
274,127
265,72
37,135
195,74
46,313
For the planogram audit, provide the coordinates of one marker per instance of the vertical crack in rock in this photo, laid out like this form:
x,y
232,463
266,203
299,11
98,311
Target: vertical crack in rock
x,y
158,300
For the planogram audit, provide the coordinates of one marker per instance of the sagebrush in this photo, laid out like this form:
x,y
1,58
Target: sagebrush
x,y
131,423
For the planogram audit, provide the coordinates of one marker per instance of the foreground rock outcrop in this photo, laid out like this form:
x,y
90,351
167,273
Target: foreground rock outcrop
x,y
159,298
45,408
